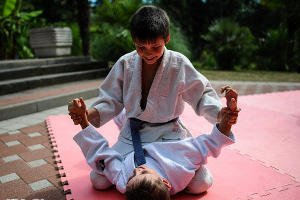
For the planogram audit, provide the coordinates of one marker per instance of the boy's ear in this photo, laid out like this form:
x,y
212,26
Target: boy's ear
x,y
167,183
168,39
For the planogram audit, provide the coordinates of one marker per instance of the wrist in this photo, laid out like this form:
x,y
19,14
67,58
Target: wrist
x,y
84,123
224,128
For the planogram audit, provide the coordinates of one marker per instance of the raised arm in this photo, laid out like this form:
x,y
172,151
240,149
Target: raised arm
x,y
100,157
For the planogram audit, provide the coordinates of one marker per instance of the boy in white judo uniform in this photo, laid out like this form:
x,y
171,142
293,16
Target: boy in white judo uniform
x,y
169,167
152,84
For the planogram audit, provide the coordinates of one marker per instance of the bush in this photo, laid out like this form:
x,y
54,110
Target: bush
x,y
110,30
207,61
230,44
178,41
111,36
14,30
76,40
296,52
272,53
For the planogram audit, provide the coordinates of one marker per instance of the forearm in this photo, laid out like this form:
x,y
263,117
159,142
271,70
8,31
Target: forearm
x,y
93,116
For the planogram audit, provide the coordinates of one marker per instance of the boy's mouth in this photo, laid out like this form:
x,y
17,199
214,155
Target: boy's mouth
x,y
149,59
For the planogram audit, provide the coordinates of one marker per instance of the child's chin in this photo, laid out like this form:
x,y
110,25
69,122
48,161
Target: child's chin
x,y
150,62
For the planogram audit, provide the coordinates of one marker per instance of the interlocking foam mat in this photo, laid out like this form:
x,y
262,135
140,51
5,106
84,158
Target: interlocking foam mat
x,y
263,164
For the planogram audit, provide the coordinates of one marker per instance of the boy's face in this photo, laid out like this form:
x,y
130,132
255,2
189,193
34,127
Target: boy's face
x,y
151,51
142,172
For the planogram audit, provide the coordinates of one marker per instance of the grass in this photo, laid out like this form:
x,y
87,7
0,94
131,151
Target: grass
x,y
267,76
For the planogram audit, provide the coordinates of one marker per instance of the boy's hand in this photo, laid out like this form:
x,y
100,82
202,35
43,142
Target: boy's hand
x,y
230,114
229,94
229,117
76,118
78,113
77,106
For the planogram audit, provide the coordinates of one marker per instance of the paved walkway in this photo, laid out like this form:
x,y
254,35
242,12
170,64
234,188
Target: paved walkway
x,y
27,168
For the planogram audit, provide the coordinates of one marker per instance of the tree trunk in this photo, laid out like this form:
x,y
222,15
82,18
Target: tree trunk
x,y
83,8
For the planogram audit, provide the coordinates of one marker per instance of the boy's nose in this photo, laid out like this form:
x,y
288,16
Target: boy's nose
x,y
147,52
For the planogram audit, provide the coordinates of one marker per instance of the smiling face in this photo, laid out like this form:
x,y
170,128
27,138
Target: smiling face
x,y
151,51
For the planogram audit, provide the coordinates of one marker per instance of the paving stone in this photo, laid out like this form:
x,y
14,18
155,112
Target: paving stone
x,y
55,181
50,160
35,147
12,143
39,185
2,145
47,145
35,134
30,175
33,128
267,89
35,140
8,137
37,163
49,193
14,132
3,131
282,88
13,150
250,89
9,177
14,190
15,126
11,158
14,167
36,155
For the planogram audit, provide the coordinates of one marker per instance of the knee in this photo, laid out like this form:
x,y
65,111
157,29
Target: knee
x,y
99,182
200,183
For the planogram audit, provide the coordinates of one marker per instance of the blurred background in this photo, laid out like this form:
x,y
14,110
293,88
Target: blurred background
x,y
215,34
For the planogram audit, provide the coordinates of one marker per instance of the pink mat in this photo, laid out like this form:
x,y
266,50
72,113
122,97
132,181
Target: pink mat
x,y
263,164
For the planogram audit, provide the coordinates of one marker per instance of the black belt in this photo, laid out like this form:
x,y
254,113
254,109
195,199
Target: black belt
x,y
135,126
139,122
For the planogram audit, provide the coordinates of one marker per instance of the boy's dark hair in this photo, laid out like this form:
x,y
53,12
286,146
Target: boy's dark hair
x,y
148,190
149,23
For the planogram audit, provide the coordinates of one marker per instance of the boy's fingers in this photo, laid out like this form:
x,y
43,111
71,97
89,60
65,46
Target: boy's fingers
x,y
76,102
225,88
232,104
82,103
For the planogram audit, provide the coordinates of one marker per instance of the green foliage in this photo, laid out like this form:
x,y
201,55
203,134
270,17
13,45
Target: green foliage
x,y
14,30
273,50
178,41
296,52
111,35
76,43
8,7
231,44
207,61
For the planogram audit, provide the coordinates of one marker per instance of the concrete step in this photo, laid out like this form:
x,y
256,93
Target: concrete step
x,y
44,98
16,85
11,64
29,71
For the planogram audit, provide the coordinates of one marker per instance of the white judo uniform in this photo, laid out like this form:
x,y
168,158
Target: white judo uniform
x,y
176,81
177,161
